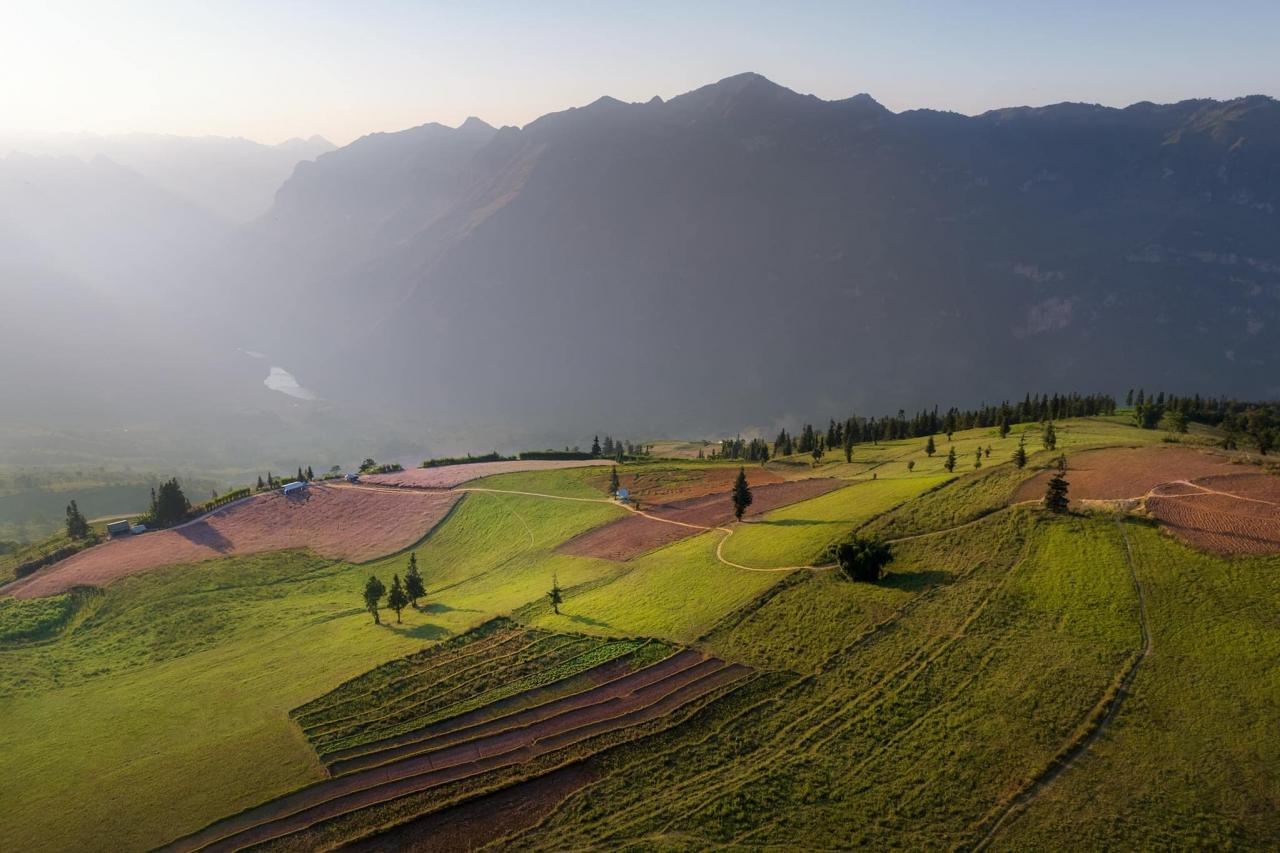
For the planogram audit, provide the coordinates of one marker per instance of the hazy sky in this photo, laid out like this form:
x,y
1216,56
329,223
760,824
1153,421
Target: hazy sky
x,y
271,70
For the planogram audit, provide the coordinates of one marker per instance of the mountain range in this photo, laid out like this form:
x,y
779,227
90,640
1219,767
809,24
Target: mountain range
x,y
743,256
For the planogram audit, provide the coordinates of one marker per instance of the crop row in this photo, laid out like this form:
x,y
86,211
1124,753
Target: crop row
x,y
391,671
458,666
438,700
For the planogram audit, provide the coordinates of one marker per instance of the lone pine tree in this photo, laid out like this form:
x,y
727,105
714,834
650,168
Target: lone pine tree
x,y
930,448
555,595
1055,494
950,464
741,494
1050,437
1020,454
613,480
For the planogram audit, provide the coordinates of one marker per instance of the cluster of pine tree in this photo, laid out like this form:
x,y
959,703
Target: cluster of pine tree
x,y
755,450
618,449
1258,422
859,430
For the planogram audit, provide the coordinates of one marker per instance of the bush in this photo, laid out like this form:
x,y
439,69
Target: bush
x,y
861,559
221,500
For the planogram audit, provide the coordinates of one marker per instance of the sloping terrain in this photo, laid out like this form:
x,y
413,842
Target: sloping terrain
x,y
491,737
630,537
350,524
1018,680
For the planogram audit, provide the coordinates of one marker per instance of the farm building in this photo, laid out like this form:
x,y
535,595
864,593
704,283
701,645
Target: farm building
x,y
119,528
296,486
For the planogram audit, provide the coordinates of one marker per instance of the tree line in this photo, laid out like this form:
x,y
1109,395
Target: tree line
x,y
1256,422
855,429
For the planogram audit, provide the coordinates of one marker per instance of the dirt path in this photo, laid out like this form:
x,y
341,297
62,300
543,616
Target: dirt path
x,y
1204,490
727,531
1104,713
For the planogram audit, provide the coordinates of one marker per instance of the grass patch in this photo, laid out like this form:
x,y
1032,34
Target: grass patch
x,y
798,534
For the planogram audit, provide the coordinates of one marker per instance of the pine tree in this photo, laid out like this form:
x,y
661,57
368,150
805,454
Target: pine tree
x,y
595,446
397,600
373,590
413,585
847,440
950,464
1055,494
816,453
1004,426
1050,437
555,595
930,448
741,494
261,485
1020,455
613,481
169,505
77,524
977,458
310,474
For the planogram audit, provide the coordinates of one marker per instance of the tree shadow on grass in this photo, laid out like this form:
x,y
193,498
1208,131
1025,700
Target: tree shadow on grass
x,y
917,581
436,607
587,620
425,631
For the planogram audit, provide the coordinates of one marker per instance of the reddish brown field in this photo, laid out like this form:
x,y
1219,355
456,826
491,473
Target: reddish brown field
x,y
448,476
342,523
668,485
1229,514
474,823
612,707
1123,472
635,535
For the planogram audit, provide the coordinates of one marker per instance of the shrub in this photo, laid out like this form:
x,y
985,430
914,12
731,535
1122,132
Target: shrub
x,y
861,559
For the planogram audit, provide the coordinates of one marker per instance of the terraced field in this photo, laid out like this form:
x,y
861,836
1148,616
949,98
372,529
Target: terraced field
x,y
539,709
1018,680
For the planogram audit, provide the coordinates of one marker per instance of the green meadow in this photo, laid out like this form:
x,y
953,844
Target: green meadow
x,y
921,711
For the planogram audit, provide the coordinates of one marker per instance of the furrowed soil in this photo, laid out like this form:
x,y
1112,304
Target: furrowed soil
x,y
448,476
350,524
1229,514
1124,472
668,485
630,537
475,823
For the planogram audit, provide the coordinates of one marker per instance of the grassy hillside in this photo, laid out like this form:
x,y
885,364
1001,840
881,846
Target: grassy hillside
x,y
922,711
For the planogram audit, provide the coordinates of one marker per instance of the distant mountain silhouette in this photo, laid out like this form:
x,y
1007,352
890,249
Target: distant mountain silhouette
x,y
234,179
742,253
739,256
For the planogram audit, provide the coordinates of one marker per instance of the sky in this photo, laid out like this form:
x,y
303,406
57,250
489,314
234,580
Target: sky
x,y
273,69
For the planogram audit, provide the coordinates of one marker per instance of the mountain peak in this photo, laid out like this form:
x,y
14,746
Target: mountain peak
x,y
473,124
